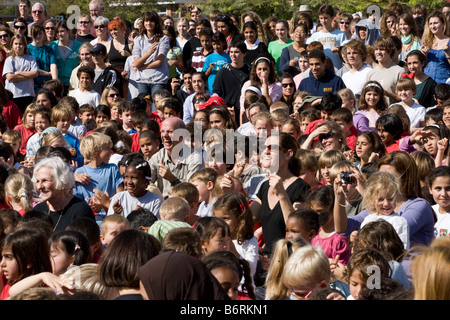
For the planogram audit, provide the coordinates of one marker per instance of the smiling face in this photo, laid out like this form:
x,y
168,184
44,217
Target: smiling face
x,y
372,98
414,64
385,203
317,67
46,185
440,190
50,30
135,182
436,26
281,31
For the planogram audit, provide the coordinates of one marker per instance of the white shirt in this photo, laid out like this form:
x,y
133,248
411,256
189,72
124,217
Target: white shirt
x,y
442,225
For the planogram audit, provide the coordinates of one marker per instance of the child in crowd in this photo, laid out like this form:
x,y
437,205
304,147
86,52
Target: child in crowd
x,y
204,180
184,240
372,103
302,223
111,226
170,107
274,288
86,112
325,162
439,185
406,89
334,245
85,93
228,270
126,109
103,114
390,129
309,167
234,210
141,219
24,253
19,193
190,193
446,114
434,116
344,118
149,143
306,271
214,234
42,121
61,118
307,116
173,212
199,56
19,70
369,147
381,194
96,150
14,139
136,179
359,270
216,60
26,128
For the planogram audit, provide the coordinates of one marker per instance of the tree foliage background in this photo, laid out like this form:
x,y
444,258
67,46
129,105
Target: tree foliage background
x,y
284,9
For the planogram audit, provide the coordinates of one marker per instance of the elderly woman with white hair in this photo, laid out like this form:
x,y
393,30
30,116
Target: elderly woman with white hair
x,y
101,30
54,181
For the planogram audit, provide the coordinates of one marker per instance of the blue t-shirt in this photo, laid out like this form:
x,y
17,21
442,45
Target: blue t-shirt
x,y
74,143
220,60
105,178
44,56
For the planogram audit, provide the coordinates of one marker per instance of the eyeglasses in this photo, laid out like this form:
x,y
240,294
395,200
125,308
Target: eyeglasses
x,y
113,95
199,100
49,28
101,26
4,36
344,22
20,27
324,136
37,11
84,22
290,84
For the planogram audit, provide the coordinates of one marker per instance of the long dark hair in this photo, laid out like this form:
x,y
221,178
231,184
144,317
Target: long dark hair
x,y
154,17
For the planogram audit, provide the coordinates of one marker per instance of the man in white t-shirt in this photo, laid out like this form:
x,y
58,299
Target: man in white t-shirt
x,y
355,78
330,38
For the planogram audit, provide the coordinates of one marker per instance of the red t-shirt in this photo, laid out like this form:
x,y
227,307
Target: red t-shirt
x,y
26,134
12,114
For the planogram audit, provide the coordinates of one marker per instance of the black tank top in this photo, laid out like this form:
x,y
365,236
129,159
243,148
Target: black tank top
x,y
114,56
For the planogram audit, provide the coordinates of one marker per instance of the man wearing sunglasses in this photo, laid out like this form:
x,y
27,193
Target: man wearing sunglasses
x,y
84,29
39,15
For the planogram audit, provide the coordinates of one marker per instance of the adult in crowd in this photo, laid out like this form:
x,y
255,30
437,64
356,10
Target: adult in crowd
x,y
50,30
289,55
416,62
66,51
101,31
54,180
436,46
44,55
150,50
231,77
175,162
283,191
84,29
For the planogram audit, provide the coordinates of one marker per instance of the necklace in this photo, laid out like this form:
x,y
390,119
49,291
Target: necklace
x,y
59,219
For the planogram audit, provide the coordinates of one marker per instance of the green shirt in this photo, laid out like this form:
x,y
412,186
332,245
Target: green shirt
x,y
275,48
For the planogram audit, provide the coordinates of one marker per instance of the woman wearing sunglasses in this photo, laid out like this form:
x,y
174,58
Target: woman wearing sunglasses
x,y
5,39
288,90
102,32
20,26
50,33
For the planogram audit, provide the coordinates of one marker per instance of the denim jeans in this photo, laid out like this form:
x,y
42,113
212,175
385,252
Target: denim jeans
x,y
150,88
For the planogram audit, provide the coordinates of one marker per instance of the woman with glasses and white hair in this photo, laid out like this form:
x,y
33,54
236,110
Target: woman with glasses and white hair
x,y
54,181
102,32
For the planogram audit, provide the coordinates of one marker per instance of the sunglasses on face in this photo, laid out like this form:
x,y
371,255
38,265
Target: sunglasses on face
x,y
4,36
199,100
84,22
49,28
37,11
324,136
344,22
113,95
102,26
20,27
290,84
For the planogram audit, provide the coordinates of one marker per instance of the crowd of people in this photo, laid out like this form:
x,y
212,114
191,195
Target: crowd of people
x,y
225,157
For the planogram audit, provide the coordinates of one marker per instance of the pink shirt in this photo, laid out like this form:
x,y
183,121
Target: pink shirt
x,y
335,244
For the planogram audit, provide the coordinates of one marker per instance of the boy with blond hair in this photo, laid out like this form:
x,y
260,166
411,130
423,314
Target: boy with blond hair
x,y
173,212
111,226
90,178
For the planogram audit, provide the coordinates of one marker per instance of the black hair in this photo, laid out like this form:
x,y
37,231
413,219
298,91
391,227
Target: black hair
x,y
392,124
436,114
239,44
442,91
309,217
75,243
141,165
104,109
141,217
331,102
316,54
441,171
